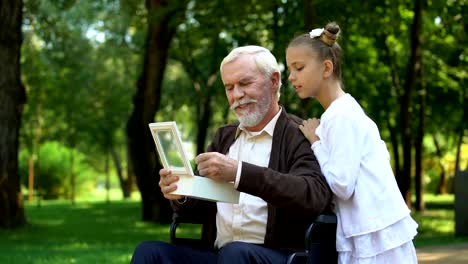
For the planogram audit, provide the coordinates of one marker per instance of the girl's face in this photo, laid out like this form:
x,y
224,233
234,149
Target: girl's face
x,y
305,71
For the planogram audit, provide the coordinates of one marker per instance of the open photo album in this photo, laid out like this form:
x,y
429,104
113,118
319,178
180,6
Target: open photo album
x,y
173,157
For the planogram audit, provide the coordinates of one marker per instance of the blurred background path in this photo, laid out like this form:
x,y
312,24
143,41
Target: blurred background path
x,y
451,254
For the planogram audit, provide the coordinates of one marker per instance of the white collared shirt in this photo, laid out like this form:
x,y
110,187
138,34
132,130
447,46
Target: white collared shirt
x,y
247,220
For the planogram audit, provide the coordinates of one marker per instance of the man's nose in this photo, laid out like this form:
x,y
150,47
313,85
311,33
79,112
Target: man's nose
x,y
238,92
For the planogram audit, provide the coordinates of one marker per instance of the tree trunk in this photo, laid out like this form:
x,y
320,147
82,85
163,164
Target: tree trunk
x,y
204,83
125,183
162,19
309,24
12,99
204,109
461,134
461,129
404,179
30,178
395,146
395,89
204,124
226,112
280,46
309,15
33,145
107,172
72,176
442,186
419,147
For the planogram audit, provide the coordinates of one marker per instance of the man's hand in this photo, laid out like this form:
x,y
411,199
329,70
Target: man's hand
x,y
167,183
308,128
217,166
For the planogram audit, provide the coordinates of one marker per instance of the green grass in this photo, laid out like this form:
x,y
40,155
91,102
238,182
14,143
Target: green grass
x,y
437,222
88,232
93,231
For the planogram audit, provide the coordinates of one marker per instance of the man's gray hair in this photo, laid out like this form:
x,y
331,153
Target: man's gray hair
x,y
265,61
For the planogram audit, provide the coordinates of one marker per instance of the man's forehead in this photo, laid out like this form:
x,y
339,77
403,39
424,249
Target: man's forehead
x,y
240,75
242,60
241,66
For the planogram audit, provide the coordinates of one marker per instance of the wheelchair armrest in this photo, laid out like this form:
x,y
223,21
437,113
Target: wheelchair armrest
x,y
177,219
188,219
327,219
298,258
321,239
319,242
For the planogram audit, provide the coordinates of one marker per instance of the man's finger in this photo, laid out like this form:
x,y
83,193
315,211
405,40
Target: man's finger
x,y
203,157
164,171
173,196
168,189
168,180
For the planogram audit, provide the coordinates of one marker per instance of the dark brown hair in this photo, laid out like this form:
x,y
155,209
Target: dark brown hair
x,y
324,45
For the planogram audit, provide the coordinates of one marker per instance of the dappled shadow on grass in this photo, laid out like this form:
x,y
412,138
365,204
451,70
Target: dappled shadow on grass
x,y
83,233
436,225
436,222
440,205
439,239
99,221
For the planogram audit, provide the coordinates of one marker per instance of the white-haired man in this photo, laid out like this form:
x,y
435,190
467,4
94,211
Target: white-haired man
x,y
269,161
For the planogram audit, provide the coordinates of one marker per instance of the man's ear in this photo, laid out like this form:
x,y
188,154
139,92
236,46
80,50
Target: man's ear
x,y
275,78
328,69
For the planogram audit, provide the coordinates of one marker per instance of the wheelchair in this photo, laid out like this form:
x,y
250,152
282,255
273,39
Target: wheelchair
x,y
320,245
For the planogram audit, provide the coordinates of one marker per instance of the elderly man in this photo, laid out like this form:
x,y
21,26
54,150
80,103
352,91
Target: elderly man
x,y
269,161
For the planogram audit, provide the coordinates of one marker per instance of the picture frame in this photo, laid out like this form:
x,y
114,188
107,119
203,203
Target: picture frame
x,y
169,145
170,148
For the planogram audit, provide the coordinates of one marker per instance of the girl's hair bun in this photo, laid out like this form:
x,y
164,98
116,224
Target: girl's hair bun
x,y
330,34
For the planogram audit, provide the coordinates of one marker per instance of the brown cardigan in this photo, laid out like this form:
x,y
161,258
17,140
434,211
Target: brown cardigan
x,y
292,185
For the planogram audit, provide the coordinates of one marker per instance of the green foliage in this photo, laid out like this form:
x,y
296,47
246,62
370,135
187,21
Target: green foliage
x,y
79,74
53,170
81,61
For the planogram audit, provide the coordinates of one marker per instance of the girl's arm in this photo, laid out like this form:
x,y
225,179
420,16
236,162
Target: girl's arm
x,y
339,153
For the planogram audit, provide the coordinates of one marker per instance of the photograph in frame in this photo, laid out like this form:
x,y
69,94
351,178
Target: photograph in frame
x,y
170,150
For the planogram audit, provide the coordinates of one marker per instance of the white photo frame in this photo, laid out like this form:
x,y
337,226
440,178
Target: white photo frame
x,y
169,145
173,157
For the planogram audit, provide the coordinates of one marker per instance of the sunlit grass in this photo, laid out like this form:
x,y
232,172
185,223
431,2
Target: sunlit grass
x,y
94,231
432,199
88,232
437,222
101,195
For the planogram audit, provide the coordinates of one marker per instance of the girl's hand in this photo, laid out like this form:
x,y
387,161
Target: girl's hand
x,y
308,128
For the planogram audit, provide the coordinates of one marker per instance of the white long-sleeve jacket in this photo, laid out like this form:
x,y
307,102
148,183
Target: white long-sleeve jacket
x,y
356,164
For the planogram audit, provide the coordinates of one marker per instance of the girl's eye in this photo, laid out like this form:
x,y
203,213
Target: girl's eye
x,y
300,68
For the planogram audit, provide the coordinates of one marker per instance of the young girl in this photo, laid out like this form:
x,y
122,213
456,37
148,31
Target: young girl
x,y
374,223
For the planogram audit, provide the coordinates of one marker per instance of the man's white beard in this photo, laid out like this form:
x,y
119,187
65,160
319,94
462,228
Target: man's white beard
x,y
252,118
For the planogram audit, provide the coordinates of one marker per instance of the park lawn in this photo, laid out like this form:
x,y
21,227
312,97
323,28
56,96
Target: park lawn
x,y
437,222
93,231
88,232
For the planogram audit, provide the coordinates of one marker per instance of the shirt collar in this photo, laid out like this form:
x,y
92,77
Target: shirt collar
x,y
269,128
